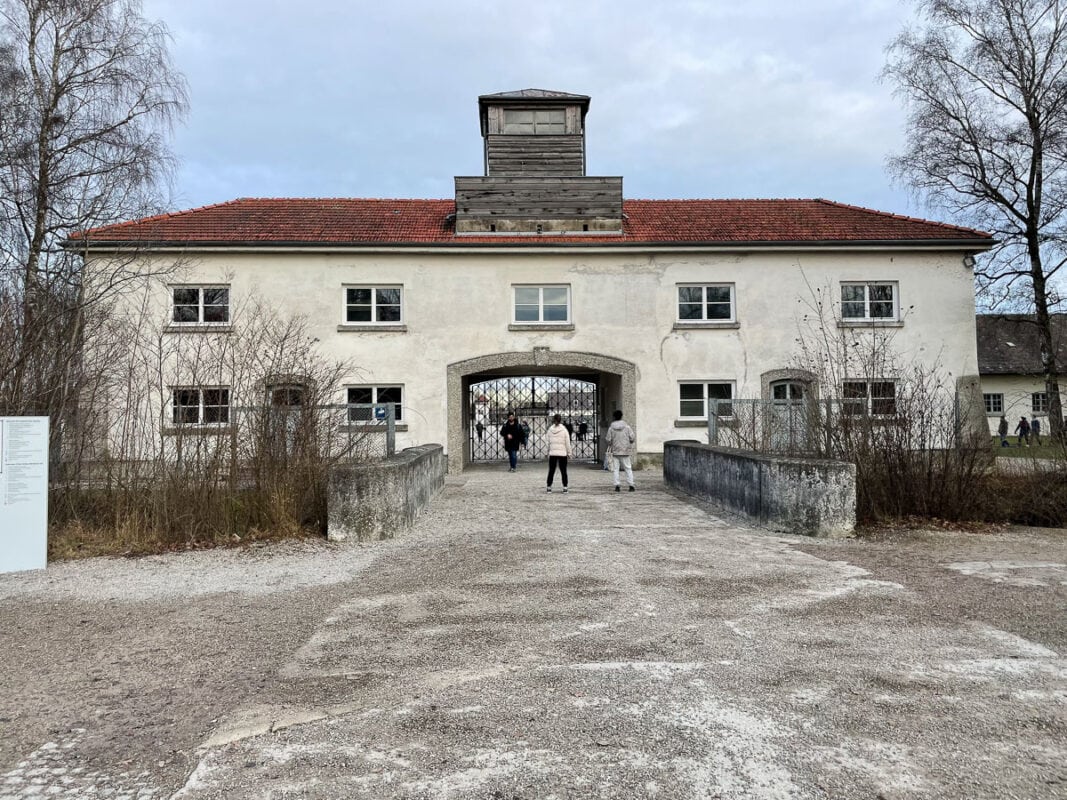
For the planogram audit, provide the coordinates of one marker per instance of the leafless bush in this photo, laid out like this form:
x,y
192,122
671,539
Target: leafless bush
x,y
201,437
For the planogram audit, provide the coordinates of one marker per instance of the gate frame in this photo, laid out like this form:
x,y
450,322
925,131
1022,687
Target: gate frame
x,y
539,361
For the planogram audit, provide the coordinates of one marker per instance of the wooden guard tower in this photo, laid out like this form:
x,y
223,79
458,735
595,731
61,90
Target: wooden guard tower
x,y
535,181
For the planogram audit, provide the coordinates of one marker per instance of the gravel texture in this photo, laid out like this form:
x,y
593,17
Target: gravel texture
x,y
518,644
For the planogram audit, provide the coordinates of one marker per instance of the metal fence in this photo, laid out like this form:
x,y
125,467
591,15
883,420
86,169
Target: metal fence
x,y
827,428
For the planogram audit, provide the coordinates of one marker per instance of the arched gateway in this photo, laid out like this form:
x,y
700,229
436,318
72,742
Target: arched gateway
x,y
615,381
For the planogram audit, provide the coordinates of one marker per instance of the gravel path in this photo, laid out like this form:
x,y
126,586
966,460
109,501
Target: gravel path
x,y
519,644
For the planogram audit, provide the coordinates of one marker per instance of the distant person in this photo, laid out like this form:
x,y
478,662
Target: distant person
x,y
621,442
559,450
525,433
1023,431
569,426
480,428
1002,431
583,430
512,434
1035,430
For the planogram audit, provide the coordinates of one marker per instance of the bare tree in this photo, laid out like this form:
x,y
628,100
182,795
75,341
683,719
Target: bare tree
x,y
985,83
87,99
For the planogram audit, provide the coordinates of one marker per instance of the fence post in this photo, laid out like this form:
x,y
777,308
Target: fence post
x,y
390,429
713,422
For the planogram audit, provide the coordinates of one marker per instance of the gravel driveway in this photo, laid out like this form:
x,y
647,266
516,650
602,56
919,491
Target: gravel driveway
x,y
518,644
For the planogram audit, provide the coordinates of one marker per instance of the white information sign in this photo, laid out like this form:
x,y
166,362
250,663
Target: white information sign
x,y
23,493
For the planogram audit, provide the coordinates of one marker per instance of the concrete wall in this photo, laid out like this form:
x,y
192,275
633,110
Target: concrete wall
x,y
378,500
792,495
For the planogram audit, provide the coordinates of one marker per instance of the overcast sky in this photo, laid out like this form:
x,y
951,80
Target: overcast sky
x,y
378,98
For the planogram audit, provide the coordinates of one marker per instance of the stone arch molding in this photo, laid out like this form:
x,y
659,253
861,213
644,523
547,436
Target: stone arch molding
x,y
540,360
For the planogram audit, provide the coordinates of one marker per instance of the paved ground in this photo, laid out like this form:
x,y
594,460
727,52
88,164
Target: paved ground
x,y
519,644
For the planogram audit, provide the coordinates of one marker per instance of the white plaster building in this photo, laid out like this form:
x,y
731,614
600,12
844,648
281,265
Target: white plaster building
x,y
535,271
1009,362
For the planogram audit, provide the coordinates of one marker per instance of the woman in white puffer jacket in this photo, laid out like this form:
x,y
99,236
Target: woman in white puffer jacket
x,y
559,450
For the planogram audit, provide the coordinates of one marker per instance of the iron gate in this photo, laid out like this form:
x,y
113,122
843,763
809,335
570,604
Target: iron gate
x,y
534,400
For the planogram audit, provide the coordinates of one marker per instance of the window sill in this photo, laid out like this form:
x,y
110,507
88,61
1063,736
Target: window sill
x,y
391,328
378,427
870,323
541,326
690,423
692,326
198,328
198,430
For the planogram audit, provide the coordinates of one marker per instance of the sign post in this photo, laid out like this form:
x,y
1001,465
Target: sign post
x,y
23,493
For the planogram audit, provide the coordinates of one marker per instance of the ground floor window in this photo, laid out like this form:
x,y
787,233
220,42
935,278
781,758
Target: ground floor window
x,y
199,405
994,403
877,398
1039,402
693,398
360,400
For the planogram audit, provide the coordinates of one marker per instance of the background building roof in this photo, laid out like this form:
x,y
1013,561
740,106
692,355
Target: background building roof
x,y
353,221
1008,344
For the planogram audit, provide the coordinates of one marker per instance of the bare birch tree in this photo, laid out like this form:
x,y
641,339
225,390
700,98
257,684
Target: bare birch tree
x,y
88,96
985,85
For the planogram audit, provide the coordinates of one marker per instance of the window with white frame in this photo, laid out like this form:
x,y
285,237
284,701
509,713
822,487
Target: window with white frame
x,y
994,403
362,399
876,302
712,302
876,398
549,305
373,305
1039,402
200,305
542,121
694,398
201,405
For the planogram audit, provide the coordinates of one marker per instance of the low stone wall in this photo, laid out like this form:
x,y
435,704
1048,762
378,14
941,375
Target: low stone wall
x,y
792,495
380,499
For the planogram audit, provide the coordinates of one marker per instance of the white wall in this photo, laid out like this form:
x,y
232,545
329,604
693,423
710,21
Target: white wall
x,y
624,304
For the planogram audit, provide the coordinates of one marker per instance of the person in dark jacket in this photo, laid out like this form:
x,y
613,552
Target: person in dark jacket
x,y
1002,429
1023,431
1035,430
514,437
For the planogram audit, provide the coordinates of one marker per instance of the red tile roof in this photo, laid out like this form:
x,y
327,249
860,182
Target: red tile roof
x,y
349,221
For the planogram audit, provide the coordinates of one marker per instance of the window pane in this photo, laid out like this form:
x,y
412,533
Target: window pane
x,y
720,391
852,311
1039,402
527,295
216,313
555,296
357,314
881,291
186,314
692,408
883,397
851,292
186,406
555,313
184,296
691,391
690,294
388,297
360,394
358,297
690,311
718,311
526,313
391,394
718,294
881,310
853,389
216,296
388,313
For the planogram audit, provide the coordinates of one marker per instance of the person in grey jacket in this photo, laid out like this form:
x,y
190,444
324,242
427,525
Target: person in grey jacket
x,y
621,444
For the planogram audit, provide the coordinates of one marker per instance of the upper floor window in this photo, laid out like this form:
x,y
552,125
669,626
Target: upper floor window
x,y
201,305
877,398
706,303
544,121
200,405
362,400
369,305
994,403
696,399
1039,402
869,301
542,304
